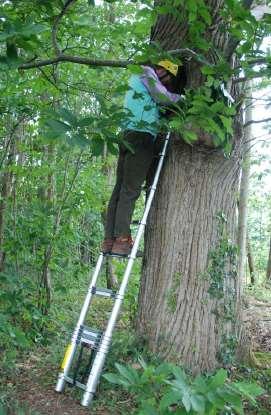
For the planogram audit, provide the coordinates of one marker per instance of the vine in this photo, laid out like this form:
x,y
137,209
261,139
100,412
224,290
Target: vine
x,y
222,274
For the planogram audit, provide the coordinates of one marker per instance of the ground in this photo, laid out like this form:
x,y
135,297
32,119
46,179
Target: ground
x,y
32,383
258,314
36,394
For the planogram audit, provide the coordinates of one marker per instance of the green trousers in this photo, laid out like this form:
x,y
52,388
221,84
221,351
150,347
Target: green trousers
x,y
132,170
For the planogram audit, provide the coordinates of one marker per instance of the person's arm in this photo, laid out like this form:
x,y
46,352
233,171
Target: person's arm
x,y
157,90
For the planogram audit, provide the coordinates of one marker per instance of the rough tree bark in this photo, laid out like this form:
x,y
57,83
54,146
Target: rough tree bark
x,y
187,303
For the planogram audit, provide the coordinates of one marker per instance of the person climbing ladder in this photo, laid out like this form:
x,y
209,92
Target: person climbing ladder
x,y
147,93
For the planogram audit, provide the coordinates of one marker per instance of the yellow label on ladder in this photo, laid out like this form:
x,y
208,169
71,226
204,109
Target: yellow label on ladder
x,y
66,356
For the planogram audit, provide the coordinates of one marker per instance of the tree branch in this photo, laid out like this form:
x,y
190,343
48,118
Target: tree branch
x,y
266,60
76,59
56,26
256,121
260,61
48,79
61,57
248,78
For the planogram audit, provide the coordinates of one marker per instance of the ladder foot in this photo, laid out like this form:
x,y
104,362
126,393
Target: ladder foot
x,y
60,383
87,398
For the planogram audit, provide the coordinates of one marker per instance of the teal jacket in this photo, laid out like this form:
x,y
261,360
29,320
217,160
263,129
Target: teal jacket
x,y
142,101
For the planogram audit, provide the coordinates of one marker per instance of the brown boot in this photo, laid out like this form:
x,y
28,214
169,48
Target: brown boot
x,y
122,246
107,245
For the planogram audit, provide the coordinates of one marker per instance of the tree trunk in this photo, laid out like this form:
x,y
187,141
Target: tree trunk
x,y
6,184
268,269
180,309
108,170
244,190
250,262
189,290
48,194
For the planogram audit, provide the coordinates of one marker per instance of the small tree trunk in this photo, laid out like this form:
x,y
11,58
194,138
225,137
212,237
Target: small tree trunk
x,y
108,170
45,287
268,269
111,276
243,198
6,185
250,262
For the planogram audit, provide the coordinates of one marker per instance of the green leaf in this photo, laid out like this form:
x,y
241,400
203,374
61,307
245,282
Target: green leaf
x,y
176,123
115,379
248,390
13,31
82,21
33,29
142,362
186,402
135,69
85,122
227,147
97,145
218,379
19,337
127,145
215,399
147,409
198,403
128,373
234,400
173,397
204,13
189,136
227,122
68,116
180,375
57,127
79,140
164,369
112,148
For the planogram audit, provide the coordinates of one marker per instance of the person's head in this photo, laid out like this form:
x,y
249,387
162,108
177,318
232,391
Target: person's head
x,y
166,72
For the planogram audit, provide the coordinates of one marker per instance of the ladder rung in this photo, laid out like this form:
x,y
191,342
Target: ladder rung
x,y
103,292
117,256
90,337
76,383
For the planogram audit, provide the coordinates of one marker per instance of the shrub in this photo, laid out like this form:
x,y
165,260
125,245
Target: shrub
x,y
167,389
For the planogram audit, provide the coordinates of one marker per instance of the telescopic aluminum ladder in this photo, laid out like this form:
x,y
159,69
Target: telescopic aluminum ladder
x,y
97,340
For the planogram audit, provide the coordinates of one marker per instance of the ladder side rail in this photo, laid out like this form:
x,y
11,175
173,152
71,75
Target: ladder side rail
x,y
106,339
71,349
